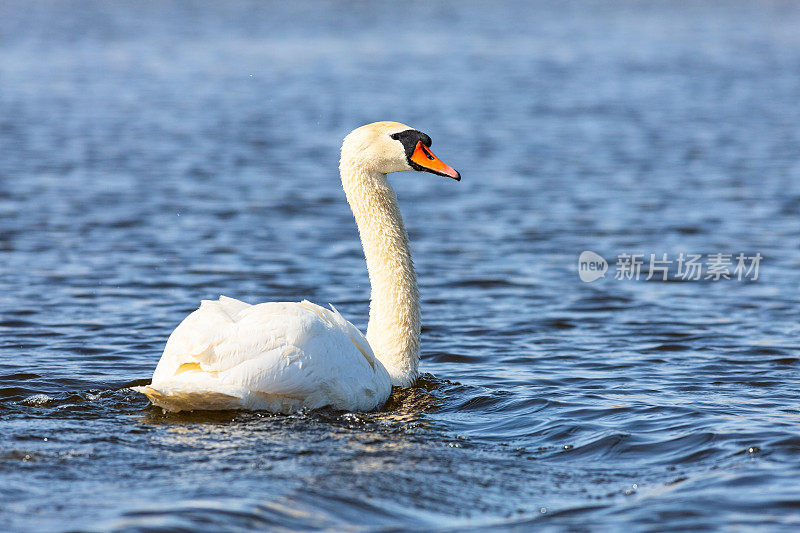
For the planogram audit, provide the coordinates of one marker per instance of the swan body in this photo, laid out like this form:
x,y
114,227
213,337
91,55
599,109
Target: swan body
x,y
286,356
277,356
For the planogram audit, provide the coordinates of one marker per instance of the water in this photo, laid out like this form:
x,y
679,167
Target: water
x,y
157,154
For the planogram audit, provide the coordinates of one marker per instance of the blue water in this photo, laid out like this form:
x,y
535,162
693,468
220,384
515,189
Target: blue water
x,y
155,154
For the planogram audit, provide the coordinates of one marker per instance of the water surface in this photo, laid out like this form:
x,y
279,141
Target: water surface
x,y
155,154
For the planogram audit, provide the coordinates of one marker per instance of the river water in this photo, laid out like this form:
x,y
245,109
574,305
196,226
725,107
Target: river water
x,y
156,154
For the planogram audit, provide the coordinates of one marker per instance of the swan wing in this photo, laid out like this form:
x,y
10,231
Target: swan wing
x,y
231,306
279,356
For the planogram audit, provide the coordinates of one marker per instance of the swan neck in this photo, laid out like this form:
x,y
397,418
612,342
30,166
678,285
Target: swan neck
x,y
393,331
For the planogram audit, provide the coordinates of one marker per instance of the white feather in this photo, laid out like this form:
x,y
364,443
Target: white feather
x,y
279,356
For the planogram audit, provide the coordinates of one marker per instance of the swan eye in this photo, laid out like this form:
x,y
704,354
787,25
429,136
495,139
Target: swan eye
x,y
409,139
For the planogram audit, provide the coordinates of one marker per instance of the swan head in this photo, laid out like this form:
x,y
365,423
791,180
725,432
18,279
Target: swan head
x,y
393,147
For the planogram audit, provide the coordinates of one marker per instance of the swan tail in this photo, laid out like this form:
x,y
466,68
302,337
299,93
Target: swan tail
x,y
183,400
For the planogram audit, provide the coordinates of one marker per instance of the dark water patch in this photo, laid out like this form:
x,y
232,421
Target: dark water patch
x,y
449,358
20,376
16,324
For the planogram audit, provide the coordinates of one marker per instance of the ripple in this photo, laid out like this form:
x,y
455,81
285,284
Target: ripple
x,y
37,400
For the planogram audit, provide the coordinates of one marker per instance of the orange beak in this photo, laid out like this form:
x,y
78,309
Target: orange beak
x,y
423,157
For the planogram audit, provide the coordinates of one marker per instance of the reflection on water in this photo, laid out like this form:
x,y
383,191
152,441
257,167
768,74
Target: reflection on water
x,y
153,155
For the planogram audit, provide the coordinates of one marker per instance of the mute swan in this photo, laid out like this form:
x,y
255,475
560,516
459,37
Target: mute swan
x,y
284,356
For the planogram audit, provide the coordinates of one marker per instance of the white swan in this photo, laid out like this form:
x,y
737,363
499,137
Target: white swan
x,y
285,356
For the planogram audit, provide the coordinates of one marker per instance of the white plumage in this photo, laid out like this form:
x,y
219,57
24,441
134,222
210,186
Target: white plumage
x,y
278,356
285,356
